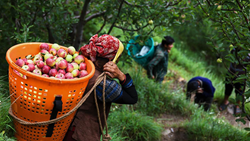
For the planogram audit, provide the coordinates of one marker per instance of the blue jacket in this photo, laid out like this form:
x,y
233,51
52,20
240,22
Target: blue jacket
x,y
208,88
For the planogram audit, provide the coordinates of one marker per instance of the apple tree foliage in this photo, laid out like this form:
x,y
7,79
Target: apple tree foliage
x,y
73,22
231,19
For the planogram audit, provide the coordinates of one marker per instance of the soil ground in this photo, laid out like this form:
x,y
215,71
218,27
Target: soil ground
x,y
172,123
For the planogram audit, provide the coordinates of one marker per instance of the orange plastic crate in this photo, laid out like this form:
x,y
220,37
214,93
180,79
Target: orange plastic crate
x,y
34,96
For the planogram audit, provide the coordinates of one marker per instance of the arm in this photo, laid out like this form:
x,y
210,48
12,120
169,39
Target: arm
x,y
157,58
208,89
124,94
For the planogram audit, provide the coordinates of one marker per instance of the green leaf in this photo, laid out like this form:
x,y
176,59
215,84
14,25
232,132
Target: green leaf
x,y
241,120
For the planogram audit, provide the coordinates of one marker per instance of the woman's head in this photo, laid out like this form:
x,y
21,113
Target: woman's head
x,y
105,46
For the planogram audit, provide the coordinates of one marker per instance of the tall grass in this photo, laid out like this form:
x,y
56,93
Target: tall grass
x,y
206,127
133,126
6,124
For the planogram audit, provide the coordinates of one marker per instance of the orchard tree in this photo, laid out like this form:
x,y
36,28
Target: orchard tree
x,y
231,19
73,22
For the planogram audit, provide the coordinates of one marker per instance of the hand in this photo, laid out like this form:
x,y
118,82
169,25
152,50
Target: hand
x,y
199,90
113,71
153,77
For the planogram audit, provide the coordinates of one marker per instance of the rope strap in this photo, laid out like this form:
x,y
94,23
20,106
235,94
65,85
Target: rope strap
x,y
98,81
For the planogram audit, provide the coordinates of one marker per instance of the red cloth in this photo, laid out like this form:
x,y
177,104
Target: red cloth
x,y
105,46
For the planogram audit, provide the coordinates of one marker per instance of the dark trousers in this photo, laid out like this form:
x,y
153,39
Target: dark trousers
x,y
229,88
203,101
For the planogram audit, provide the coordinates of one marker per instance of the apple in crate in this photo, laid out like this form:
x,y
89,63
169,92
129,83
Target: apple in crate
x,y
46,69
61,53
69,68
82,66
83,73
62,71
37,58
31,67
40,64
50,62
29,62
37,71
62,64
26,67
43,52
45,75
76,54
78,59
46,56
55,46
58,59
52,51
44,46
60,76
20,62
52,72
75,72
69,58
71,50
29,57
69,75
75,65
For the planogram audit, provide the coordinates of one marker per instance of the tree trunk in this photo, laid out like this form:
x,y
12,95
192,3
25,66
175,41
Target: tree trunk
x,y
80,25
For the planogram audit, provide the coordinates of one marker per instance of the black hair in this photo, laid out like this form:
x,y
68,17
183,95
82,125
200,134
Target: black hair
x,y
192,86
167,40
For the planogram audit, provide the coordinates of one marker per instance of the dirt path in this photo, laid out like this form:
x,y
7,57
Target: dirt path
x,y
172,123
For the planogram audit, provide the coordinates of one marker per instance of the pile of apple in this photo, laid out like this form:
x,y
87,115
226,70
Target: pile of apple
x,y
55,62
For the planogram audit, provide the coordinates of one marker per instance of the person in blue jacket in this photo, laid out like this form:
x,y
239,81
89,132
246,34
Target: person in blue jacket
x,y
203,89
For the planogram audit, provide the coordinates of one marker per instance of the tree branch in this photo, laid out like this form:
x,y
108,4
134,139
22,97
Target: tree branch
x,y
104,23
235,31
130,4
94,16
245,17
119,10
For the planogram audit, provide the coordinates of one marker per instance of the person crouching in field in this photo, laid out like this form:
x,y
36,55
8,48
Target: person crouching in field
x,y
85,125
158,66
202,90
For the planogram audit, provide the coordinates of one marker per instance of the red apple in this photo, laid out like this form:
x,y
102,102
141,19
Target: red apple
x,y
75,65
60,76
25,60
52,72
79,59
61,53
62,64
50,62
83,73
46,69
31,67
44,46
29,62
58,59
69,68
61,71
75,73
43,52
40,64
71,50
82,66
26,67
37,71
45,75
55,46
20,62
52,51
37,58
69,76
48,55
